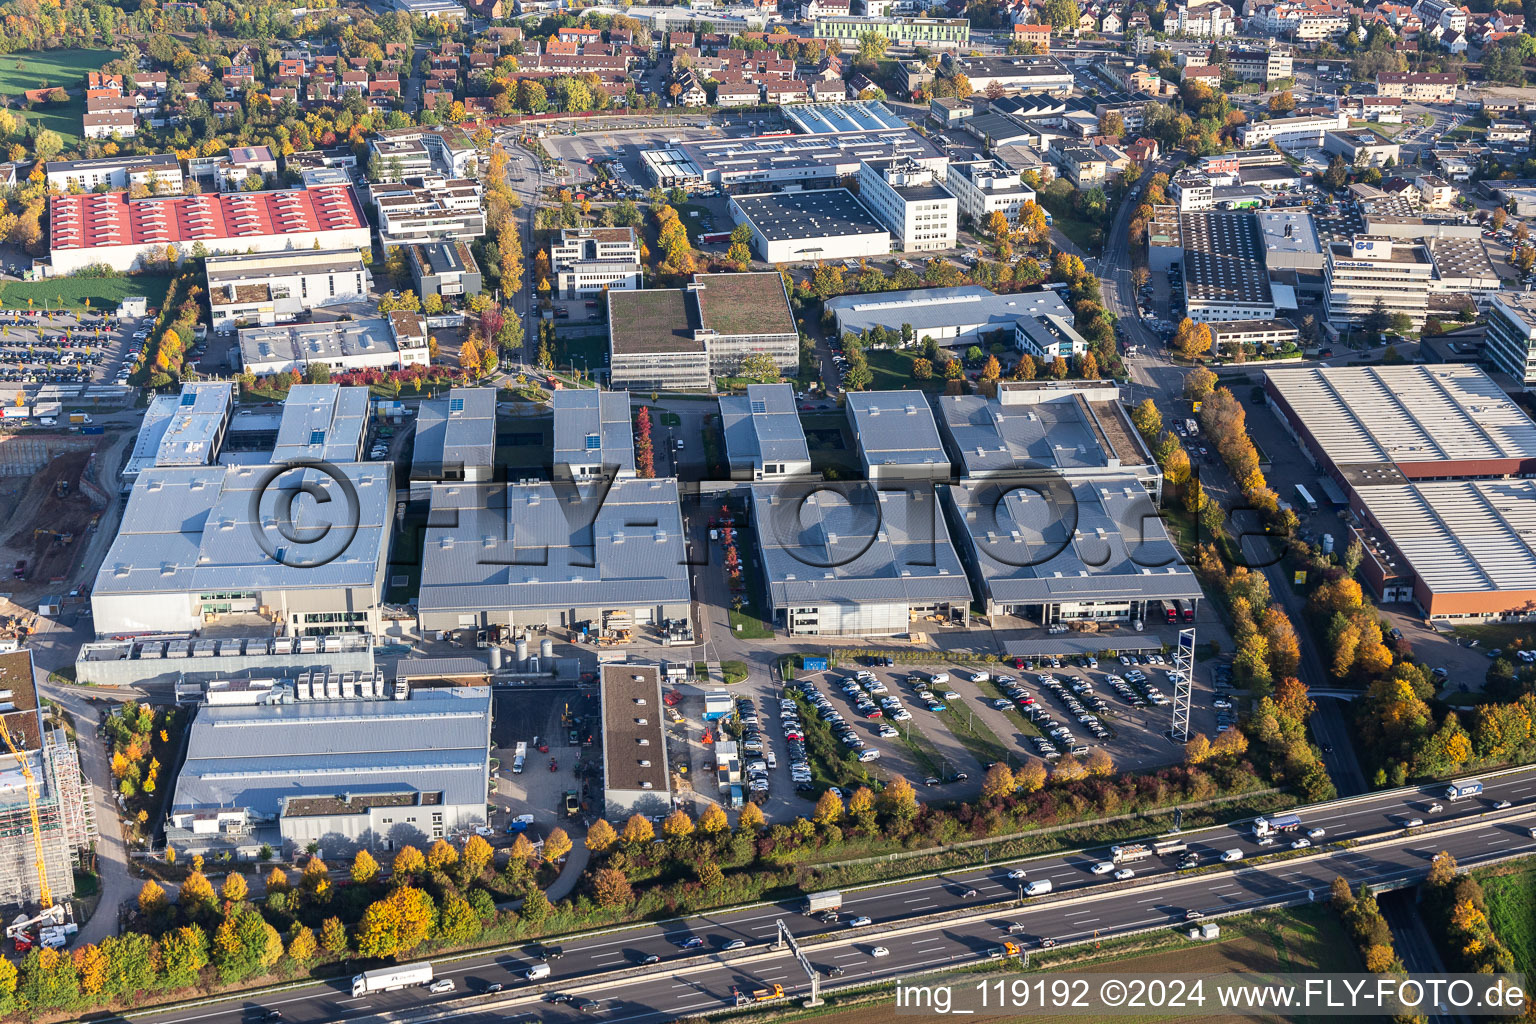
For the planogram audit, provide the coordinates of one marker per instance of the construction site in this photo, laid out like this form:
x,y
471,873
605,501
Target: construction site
x,y
46,824
53,491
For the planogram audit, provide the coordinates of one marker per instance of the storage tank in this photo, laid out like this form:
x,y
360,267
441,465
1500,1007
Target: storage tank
x,y
495,658
546,648
522,649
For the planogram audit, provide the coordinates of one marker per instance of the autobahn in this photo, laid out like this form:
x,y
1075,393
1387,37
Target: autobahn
x,y
928,922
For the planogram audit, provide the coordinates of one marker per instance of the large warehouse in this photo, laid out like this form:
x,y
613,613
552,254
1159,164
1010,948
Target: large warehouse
x,y
1434,461
347,774
828,224
110,228
777,162
955,317
897,437
636,776
848,560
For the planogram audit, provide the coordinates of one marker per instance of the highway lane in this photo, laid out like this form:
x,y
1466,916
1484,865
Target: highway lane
x,y
889,905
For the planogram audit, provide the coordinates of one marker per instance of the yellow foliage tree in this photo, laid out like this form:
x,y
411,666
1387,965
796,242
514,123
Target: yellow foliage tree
x,y
999,781
364,868
522,850
277,880
677,825
477,856
396,924
409,861
1030,778
750,818
637,830
829,809
556,845
92,968
196,891
601,836
302,947
234,888
442,855
714,820
151,897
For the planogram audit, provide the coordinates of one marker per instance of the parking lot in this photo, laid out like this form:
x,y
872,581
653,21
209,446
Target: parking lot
x,y
66,348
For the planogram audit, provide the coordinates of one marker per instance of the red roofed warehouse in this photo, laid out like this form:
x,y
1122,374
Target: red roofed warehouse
x,y
112,229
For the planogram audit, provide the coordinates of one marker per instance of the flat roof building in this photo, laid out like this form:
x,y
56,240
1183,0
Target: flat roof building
x,y
636,776
160,172
194,424
763,436
954,317
839,117
984,187
590,261
445,269
827,224
594,436
322,423
1372,271
777,162
857,561
1015,73
377,343
1290,240
456,437
897,436
1224,271
1511,345
264,289
679,337
908,199
1048,337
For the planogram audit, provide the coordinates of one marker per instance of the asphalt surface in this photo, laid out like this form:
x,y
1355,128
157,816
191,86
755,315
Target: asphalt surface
x,y
684,981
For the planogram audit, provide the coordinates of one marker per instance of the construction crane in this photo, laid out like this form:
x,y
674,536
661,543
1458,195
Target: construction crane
x,y
45,894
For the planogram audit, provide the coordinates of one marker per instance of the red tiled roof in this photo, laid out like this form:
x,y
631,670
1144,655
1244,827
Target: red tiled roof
x,y
92,220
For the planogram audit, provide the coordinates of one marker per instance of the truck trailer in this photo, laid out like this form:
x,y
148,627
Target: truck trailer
x,y
1263,827
1462,790
391,979
822,902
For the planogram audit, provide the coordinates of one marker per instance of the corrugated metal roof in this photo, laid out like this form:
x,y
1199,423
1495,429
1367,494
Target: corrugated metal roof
x,y
457,431
593,428
322,422
763,426
896,428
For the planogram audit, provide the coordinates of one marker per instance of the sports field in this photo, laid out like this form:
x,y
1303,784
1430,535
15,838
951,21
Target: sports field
x,y
38,69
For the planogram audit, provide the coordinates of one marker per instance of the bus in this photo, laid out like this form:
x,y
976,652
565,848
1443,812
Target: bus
x,y
1305,496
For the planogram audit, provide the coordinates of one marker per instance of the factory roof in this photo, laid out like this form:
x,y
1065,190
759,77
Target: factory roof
x,y
896,428
1224,257
244,268
146,445
1289,231
634,743
317,342
855,545
963,306
162,161
259,756
1461,536
792,156
836,118
1070,429
593,427
1083,540
1381,415
541,546
95,219
1461,257
322,422
821,213
458,431
763,426
1020,67
192,433
195,530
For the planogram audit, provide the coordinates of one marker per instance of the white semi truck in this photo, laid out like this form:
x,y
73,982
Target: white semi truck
x,y
391,979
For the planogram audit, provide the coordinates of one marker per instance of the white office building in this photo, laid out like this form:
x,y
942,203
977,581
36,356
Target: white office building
x,y
264,289
921,214
1291,133
985,187
590,261
377,343
1511,344
160,172
1372,270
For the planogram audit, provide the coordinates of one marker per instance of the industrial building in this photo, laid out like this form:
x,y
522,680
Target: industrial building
x,y
444,269
456,437
188,664
955,317
1264,335
1434,461
680,337
158,172
920,213
321,423
111,229
851,560
590,261
783,162
1033,74
840,117
825,224
1048,337
376,343
44,806
897,436
296,765
185,429
538,554
636,776
1225,277
763,436
263,289
594,437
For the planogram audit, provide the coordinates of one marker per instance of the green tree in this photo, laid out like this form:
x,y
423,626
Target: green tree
x,y
457,921
1147,418
760,367
1063,15
183,955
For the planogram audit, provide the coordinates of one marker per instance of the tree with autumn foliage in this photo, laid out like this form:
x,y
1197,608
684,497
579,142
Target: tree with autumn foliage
x,y
999,781
364,868
601,836
396,924
645,454
556,845
611,889
637,830
408,862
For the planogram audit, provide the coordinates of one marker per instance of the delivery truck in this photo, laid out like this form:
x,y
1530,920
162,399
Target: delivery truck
x,y
519,758
822,902
1274,826
1462,790
391,979
1129,854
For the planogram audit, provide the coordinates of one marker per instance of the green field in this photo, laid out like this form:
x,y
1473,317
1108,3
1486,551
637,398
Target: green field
x,y
1511,893
892,371
73,292
65,69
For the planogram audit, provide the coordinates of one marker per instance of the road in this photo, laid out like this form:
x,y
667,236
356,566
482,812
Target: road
x,y
684,982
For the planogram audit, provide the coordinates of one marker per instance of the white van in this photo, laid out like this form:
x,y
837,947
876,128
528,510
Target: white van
x,y
1228,856
978,676
538,972
939,677
1038,888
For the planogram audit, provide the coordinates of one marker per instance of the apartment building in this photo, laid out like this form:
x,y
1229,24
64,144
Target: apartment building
x,y
160,173
1419,86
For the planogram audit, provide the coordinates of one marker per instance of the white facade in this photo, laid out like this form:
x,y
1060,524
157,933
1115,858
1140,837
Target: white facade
x,y
344,345
985,187
920,214
1291,132
266,289
589,261
1372,269
163,170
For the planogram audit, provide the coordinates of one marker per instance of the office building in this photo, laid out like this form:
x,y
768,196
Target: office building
x,y
763,436
897,436
1362,147
1265,64
680,337
1290,240
1511,340
1262,335
1376,272
1304,131
428,208
931,33
444,269
1048,337
590,261
907,198
955,317
346,773
456,436
264,289
594,435
768,163
636,776
159,172
1418,86
377,343
985,187
114,230
826,224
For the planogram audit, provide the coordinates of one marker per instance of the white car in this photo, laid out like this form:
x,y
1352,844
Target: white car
x,y
1301,844
1017,873
859,922
888,732
1103,867
879,951
1123,874
1228,856
440,986
1315,833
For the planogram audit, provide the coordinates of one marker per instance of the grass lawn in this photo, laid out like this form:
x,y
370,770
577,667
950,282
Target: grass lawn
x,y
733,671
694,218
66,69
587,352
1511,893
829,765
922,751
749,623
103,293
892,371
974,734
1509,637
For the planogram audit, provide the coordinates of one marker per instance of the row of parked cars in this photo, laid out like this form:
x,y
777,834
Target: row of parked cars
x,y
754,742
1073,694
827,712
